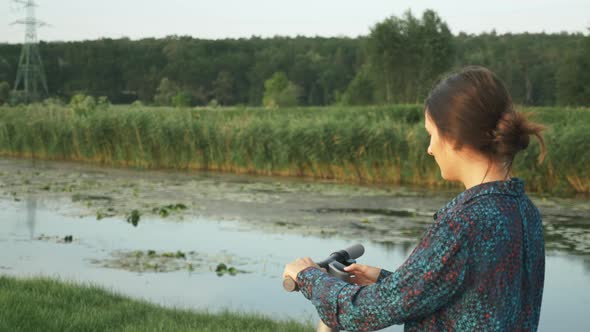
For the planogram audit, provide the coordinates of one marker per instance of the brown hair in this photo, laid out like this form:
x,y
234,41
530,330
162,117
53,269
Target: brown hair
x,y
473,107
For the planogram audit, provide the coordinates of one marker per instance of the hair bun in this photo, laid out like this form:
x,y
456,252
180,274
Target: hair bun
x,y
511,134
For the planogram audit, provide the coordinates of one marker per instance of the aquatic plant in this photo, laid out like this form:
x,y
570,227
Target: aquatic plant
x,y
150,260
178,206
133,217
222,269
164,211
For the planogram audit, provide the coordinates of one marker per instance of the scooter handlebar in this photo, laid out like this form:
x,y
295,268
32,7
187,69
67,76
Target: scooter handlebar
x,y
334,265
290,285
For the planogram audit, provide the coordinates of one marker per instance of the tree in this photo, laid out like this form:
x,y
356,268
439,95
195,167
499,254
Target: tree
x,y
165,92
361,90
4,92
182,99
280,92
573,77
223,88
407,55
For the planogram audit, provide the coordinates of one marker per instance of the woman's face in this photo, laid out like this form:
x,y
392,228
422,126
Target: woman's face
x,y
441,150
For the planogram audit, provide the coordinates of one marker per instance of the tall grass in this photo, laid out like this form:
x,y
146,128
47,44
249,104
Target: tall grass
x,y
47,305
384,145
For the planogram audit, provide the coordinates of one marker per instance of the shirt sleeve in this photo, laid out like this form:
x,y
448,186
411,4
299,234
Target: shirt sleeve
x,y
433,273
383,274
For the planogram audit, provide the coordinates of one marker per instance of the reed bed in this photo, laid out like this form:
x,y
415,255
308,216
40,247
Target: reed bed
x,y
376,145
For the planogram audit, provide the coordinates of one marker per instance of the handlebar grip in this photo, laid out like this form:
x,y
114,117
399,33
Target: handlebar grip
x,y
290,285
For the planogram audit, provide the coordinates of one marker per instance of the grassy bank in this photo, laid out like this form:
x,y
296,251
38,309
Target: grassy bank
x,y
48,305
385,145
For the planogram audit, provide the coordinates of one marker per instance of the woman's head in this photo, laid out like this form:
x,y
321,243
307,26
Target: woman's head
x,y
472,110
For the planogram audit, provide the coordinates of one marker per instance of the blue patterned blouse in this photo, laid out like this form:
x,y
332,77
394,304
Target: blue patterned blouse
x,y
479,267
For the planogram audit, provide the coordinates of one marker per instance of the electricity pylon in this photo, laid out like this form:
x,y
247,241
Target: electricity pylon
x,y
30,74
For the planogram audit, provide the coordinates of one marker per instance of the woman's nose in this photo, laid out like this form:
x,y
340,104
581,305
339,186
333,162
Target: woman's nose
x,y
429,151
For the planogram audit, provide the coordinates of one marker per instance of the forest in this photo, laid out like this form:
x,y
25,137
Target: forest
x,y
397,62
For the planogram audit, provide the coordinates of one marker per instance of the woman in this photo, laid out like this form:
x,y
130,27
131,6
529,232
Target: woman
x,y
480,266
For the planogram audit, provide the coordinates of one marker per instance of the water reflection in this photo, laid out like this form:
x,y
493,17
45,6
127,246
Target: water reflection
x,y
404,247
31,215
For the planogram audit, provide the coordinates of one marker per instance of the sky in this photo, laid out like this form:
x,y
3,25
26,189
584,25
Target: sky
x,y
82,20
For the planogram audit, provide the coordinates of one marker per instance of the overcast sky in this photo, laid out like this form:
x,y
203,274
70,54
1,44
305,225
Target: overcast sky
x,y
82,19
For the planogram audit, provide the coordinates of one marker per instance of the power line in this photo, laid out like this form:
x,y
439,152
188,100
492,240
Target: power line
x,y
30,74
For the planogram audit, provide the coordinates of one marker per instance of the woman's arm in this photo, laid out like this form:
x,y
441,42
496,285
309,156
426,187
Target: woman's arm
x,y
428,279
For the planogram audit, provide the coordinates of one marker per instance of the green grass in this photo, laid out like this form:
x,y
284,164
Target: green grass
x,y
47,305
379,144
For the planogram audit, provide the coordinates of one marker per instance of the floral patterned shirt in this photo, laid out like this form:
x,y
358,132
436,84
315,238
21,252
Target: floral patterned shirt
x,y
479,267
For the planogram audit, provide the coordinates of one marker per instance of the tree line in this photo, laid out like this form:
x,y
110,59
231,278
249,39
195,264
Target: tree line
x,y
398,62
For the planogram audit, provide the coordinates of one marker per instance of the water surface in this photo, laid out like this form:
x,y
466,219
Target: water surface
x,y
253,224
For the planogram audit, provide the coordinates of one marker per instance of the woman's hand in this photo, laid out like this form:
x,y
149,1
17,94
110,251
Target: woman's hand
x,y
363,274
293,268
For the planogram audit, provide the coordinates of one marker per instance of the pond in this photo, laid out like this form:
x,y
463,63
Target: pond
x,y
75,222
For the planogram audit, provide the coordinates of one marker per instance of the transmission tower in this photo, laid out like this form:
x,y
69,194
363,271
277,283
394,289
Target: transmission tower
x,y
30,74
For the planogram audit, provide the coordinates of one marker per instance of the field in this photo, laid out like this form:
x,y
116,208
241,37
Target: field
x,y
373,145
